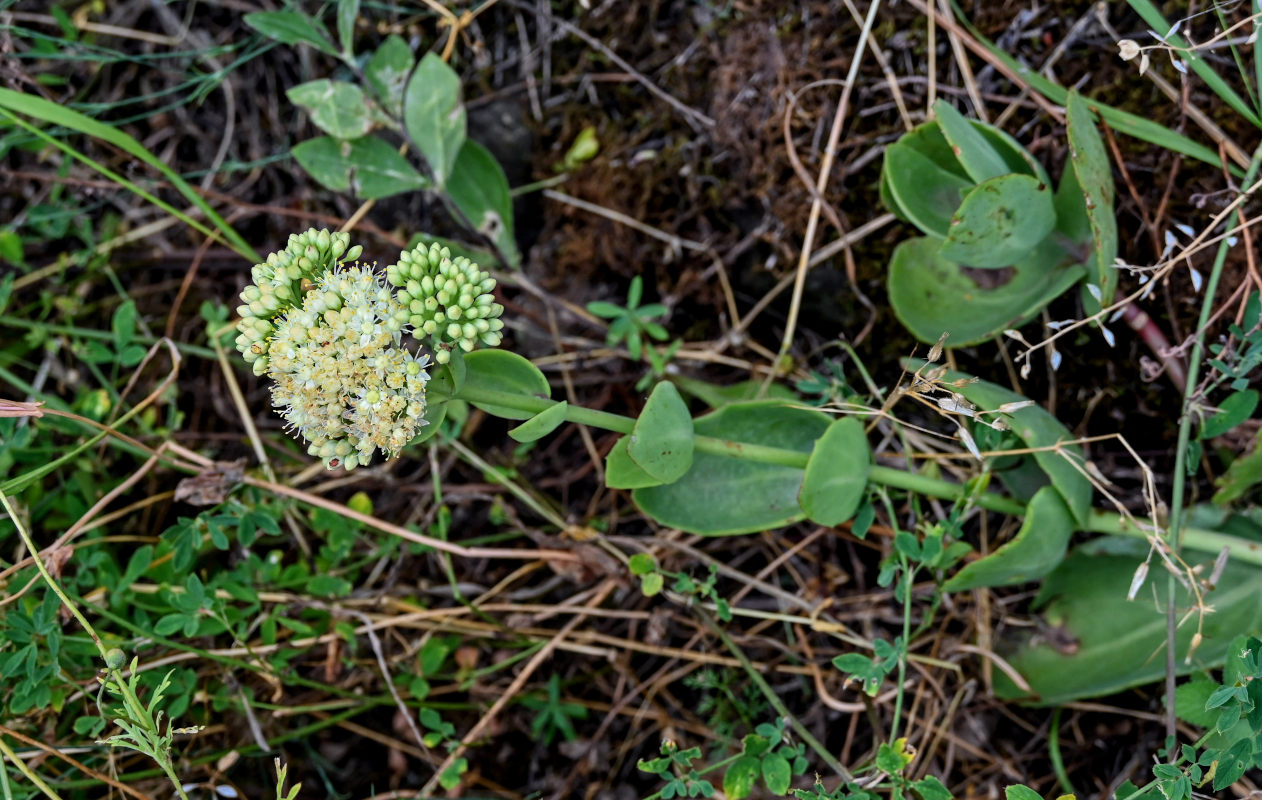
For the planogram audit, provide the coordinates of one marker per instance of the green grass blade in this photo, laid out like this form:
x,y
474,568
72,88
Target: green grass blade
x,y
1250,91
1212,79
51,113
1118,120
1257,58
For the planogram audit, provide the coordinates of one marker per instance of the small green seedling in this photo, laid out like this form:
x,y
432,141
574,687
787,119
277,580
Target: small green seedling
x,y
631,323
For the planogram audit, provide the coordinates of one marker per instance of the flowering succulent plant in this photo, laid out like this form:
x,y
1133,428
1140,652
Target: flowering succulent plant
x,y
330,336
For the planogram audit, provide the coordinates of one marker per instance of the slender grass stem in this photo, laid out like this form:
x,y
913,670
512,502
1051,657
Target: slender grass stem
x,y
30,774
1053,752
1176,535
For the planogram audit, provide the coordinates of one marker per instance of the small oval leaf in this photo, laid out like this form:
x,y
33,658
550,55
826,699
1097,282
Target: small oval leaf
x,y
367,166
662,441
623,473
721,495
836,473
387,72
541,424
1000,222
503,371
922,191
739,779
777,774
479,187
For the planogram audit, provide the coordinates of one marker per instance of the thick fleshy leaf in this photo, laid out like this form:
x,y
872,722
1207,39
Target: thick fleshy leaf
x,y
1081,652
1037,548
1000,222
720,495
662,441
336,107
836,473
621,472
541,424
503,371
1094,174
434,115
929,140
932,295
923,193
435,413
1071,209
479,189
1041,432
368,167
1016,157
714,395
980,159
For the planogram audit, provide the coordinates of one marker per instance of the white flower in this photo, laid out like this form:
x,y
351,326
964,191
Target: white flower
x,y
1128,49
342,378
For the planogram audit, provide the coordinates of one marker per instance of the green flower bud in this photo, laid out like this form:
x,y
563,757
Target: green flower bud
x,y
115,658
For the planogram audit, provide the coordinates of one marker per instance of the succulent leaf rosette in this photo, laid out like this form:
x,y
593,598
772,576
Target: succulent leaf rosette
x,y
330,335
998,243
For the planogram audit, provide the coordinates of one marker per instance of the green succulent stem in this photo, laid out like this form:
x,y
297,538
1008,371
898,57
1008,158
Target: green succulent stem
x,y
1099,521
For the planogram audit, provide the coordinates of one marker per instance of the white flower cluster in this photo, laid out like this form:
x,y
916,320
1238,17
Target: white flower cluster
x,y
342,377
279,284
330,338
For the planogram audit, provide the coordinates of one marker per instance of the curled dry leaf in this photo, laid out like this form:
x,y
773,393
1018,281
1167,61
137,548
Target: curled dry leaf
x,y
13,408
211,486
593,563
1137,580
